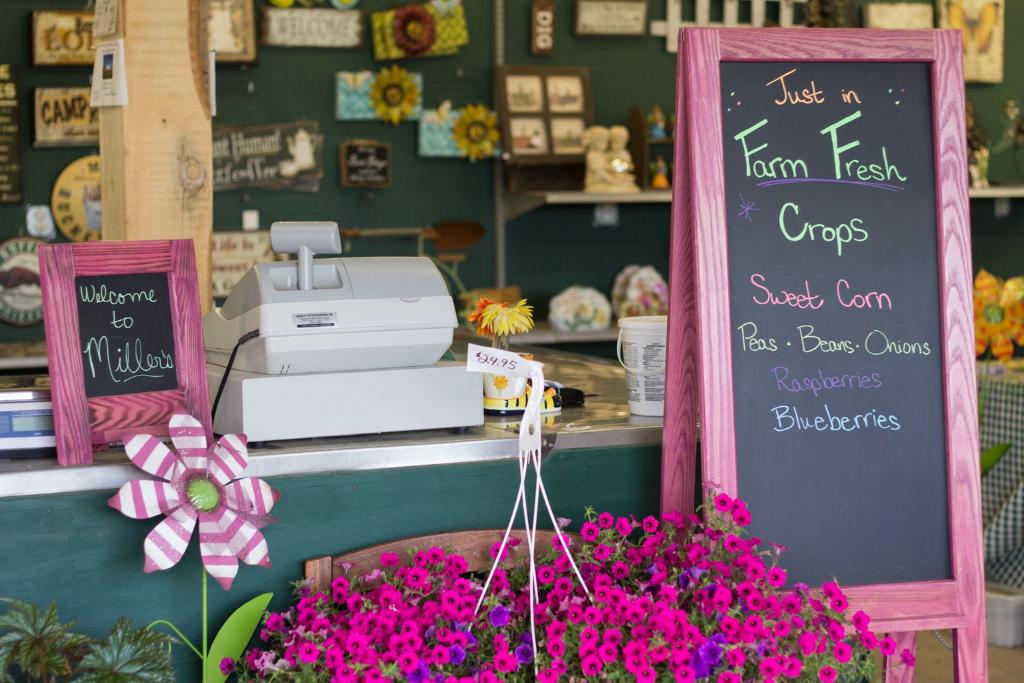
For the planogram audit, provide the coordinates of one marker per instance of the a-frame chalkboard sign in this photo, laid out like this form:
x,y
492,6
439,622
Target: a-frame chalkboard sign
x,y
124,341
821,314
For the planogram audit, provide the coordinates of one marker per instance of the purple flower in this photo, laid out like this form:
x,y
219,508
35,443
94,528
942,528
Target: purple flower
x,y
456,654
525,637
524,654
420,674
499,616
709,654
227,665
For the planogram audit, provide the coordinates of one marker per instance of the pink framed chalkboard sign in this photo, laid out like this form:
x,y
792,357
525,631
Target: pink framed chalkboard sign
x,y
124,341
821,318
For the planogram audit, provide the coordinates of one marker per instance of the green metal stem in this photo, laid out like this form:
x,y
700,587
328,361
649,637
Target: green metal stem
x,y
206,648
177,633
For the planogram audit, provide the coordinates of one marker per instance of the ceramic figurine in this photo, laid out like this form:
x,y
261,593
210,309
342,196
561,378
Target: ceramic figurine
x,y
659,178
656,124
595,141
619,163
977,150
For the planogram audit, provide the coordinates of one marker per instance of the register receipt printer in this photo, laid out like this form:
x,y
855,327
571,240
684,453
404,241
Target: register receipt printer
x,y
336,346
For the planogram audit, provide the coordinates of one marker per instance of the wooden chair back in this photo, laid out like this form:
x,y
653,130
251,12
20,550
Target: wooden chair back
x,y
473,545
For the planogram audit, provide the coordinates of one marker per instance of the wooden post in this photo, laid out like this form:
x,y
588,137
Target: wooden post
x,y
156,151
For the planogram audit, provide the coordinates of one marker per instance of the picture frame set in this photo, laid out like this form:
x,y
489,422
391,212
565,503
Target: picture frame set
x,y
544,111
83,424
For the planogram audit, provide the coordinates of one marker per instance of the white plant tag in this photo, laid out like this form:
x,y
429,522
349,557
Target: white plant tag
x,y
487,359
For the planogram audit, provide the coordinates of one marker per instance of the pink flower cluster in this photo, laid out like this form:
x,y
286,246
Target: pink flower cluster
x,y
674,598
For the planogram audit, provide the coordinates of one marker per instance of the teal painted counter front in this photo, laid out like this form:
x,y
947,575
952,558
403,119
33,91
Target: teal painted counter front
x,y
73,549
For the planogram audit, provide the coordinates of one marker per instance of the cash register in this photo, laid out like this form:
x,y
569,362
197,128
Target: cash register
x,y
318,347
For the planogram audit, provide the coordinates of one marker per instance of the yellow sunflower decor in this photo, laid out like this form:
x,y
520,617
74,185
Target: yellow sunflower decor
x,y
394,94
500,320
476,131
998,315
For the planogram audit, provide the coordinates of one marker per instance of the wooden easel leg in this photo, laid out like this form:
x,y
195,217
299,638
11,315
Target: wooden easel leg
x,y
970,654
895,670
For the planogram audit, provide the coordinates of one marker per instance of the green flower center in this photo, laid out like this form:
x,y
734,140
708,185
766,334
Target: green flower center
x,y
994,314
203,494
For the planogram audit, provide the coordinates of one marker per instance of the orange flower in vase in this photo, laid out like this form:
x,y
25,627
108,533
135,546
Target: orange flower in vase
x,y
998,315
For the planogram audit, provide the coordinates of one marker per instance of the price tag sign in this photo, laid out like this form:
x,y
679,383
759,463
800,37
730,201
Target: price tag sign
x,y
487,359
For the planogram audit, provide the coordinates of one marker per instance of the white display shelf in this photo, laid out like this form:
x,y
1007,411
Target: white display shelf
x,y
544,333
519,204
998,192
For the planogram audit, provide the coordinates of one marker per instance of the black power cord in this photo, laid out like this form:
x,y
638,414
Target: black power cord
x,y
227,369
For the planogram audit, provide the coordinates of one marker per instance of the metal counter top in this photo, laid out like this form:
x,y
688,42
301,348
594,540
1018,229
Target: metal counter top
x,y
603,421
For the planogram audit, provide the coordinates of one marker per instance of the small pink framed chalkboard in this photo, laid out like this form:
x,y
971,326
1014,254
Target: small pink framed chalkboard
x,y
821,315
124,341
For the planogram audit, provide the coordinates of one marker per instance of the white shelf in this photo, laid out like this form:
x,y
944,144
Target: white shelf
x,y
543,333
998,192
645,197
519,204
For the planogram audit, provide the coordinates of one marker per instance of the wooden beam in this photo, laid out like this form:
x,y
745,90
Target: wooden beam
x,y
156,151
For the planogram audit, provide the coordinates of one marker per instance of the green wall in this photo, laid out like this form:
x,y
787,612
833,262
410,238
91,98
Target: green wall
x,y
77,551
548,249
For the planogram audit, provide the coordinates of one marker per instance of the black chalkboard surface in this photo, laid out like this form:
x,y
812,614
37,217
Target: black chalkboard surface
x,y
834,303
124,324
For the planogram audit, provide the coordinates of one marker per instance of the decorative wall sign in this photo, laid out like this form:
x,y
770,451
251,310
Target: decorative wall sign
x,y
542,28
611,17
282,156
231,30
124,341
300,27
432,29
10,138
543,112
824,305
21,297
76,200
898,15
65,119
365,163
62,38
471,131
674,19
392,95
234,253
983,23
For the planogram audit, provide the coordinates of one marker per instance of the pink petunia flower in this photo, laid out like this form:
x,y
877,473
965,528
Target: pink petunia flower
x,y
199,487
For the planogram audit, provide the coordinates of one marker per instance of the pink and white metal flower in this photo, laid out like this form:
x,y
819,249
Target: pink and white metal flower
x,y
200,486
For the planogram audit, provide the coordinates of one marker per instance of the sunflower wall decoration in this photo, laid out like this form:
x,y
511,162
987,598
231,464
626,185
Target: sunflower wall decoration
x,y
432,29
998,315
392,95
470,132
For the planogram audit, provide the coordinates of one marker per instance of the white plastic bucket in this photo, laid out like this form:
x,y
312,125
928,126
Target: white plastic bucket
x,y
641,350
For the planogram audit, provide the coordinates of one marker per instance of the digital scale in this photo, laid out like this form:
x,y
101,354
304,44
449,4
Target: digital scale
x,y
26,417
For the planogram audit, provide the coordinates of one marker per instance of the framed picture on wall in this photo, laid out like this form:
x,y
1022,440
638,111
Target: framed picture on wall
x,y
544,111
231,30
567,135
528,135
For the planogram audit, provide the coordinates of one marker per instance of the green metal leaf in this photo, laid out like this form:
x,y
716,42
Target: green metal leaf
x,y
991,456
234,635
129,655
